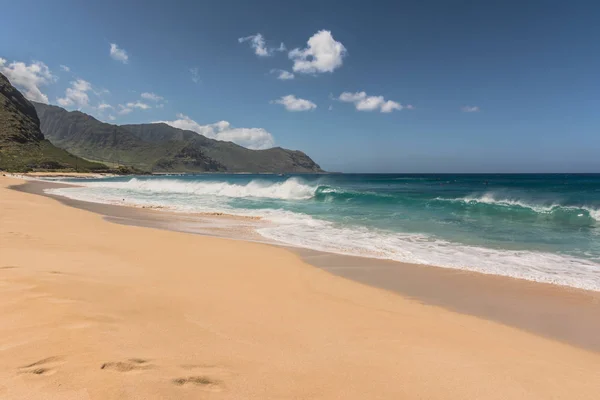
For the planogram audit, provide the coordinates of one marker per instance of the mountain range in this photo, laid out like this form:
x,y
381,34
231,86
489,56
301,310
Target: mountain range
x,y
40,136
22,145
158,147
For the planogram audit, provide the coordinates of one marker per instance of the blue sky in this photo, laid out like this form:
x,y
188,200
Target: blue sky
x,y
449,86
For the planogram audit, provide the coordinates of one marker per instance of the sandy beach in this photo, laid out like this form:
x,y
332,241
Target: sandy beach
x,y
61,174
96,310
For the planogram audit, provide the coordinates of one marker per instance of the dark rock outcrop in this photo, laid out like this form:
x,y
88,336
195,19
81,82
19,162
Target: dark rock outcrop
x,y
19,122
22,144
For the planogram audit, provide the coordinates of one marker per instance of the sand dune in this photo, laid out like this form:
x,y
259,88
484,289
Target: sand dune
x,y
95,310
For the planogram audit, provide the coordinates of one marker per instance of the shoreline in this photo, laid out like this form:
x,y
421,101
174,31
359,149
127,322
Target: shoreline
x,y
314,224
58,174
97,310
558,312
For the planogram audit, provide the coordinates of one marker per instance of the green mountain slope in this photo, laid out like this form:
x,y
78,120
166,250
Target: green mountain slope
x,y
160,147
22,144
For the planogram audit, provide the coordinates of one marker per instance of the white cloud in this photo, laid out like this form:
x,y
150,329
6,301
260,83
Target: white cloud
x,y
283,74
65,68
124,110
323,54
369,103
151,96
28,78
138,104
470,109
195,77
118,54
112,117
252,138
81,85
76,94
362,102
258,43
100,92
292,103
390,106
352,97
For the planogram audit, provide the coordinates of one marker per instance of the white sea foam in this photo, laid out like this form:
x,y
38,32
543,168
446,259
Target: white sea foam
x,y
594,213
290,189
422,249
489,198
305,231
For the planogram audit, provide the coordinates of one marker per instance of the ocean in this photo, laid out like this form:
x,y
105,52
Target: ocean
x,y
540,227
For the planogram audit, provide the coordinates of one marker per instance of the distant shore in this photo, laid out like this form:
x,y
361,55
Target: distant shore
x,y
60,174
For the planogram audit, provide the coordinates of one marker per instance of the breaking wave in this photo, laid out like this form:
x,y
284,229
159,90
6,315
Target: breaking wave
x,y
298,212
558,211
290,189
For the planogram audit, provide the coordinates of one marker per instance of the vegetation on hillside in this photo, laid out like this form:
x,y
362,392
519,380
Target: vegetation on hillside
x,y
22,144
160,147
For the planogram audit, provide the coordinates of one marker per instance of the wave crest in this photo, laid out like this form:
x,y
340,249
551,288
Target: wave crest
x,y
557,210
290,189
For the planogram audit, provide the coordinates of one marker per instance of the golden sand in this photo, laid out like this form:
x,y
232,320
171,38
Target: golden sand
x,y
62,174
95,310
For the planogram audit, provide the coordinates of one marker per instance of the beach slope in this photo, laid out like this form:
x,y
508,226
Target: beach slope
x,y
95,310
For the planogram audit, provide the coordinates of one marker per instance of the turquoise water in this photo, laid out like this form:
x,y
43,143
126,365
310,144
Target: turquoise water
x,y
539,227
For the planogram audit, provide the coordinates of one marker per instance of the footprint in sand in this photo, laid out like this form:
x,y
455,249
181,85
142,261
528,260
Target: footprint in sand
x,y
139,364
199,381
132,364
20,235
46,366
204,379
